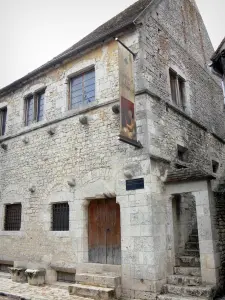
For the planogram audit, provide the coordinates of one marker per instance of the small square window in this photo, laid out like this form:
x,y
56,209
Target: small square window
x,y
13,217
82,89
3,118
60,217
182,153
215,166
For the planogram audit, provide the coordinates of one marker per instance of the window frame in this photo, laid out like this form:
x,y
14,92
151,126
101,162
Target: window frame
x,y
182,153
59,227
77,75
178,96
6,221
3,122
215,166
36,100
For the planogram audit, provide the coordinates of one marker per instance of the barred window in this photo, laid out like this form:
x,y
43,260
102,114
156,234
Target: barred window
x,y
13,217
60,217
82,89
34,108
3,117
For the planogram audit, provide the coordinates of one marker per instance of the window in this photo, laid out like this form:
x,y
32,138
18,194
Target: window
x,y
177,85
13,217
215,166
40,106
182,153
3,117
34,108
60,217
82,89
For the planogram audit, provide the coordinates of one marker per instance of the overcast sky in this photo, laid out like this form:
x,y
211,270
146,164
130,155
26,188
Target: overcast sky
x,y
34,31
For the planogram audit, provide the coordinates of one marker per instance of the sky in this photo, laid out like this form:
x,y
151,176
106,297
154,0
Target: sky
x,y
34,31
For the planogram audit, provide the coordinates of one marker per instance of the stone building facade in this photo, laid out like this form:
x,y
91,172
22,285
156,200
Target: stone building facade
x,y
73,157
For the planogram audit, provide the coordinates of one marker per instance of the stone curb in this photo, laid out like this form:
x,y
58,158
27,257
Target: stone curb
x,y
15,297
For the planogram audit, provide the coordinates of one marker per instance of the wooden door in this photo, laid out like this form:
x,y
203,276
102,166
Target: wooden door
x,y
104,237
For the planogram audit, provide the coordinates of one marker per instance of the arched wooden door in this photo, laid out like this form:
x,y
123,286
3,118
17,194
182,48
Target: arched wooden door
x,y
104,238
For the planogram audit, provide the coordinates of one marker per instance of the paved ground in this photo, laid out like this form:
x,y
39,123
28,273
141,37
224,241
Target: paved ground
x,y
34,293
27,291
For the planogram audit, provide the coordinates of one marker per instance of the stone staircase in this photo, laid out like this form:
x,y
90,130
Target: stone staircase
x,y
97,282
186,283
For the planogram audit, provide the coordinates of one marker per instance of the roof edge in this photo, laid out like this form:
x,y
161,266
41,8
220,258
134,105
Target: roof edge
x,y
21,81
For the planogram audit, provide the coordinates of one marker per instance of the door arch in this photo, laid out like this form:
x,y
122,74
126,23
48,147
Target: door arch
x,y
104,234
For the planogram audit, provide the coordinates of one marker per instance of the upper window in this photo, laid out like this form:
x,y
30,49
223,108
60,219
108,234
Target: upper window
x,y
34,108
177,85
215,166
60,217
3,117
82,89
13,217
182,153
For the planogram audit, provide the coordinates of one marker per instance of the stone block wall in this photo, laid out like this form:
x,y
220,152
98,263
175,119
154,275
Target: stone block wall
x,y
174,36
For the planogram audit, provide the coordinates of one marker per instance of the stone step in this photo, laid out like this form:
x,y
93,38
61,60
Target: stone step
x,y
189,261
177,297
103,280
93,292
61,285
193,238
194,291
191,252
185,280
192,246
187,271
5,275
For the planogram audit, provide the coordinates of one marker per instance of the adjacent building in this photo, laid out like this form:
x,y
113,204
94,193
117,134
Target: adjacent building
x,y
135,219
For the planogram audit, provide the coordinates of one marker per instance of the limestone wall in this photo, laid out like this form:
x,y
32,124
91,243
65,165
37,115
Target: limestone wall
x,y
174,36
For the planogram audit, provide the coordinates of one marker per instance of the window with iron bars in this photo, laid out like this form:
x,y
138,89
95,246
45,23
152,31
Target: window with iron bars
x,y
13,217
60,217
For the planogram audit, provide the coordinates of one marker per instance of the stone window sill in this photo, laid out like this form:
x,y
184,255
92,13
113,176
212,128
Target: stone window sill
x,y
59,233
12,233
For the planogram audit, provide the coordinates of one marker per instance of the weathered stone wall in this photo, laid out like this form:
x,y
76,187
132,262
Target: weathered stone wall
x,y
174,36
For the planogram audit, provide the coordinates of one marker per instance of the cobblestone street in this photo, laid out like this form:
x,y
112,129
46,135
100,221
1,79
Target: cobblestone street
x,y
27,291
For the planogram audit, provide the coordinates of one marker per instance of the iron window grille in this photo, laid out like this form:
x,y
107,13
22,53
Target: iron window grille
x,y
60,217
3,118
177,86
13,217
34,108
82,89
